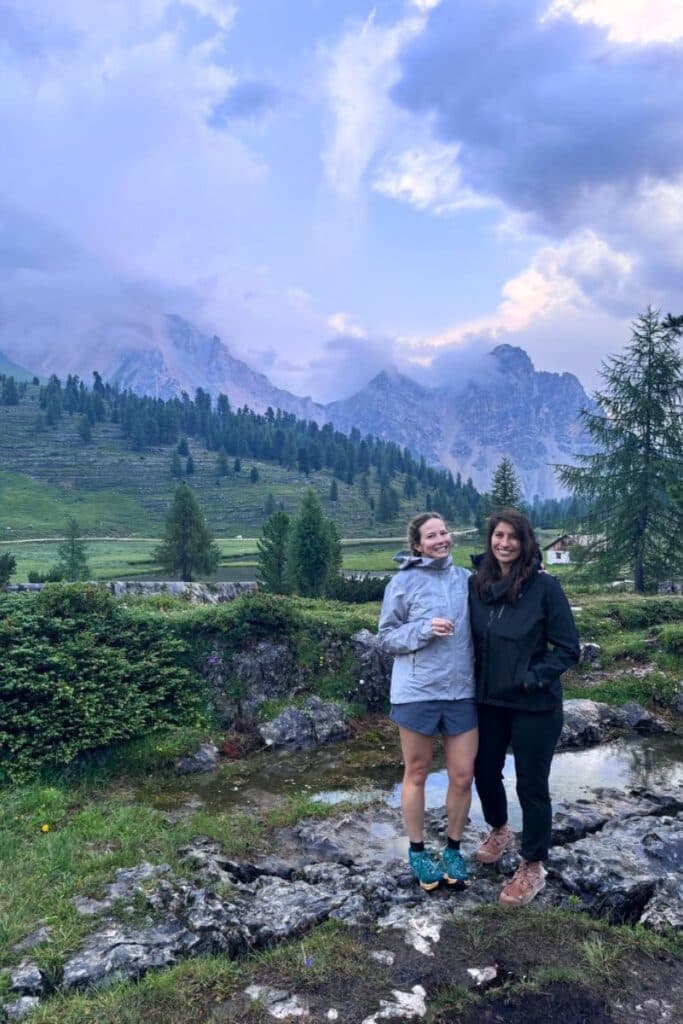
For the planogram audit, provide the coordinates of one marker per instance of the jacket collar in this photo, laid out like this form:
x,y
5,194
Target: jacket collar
x,y
499,588
407,560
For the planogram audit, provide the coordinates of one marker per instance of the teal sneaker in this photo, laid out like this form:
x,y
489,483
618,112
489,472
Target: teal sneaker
x,y
428,871
454,869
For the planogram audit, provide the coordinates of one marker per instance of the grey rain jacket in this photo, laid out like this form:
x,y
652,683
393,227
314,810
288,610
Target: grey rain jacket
x,y
427,667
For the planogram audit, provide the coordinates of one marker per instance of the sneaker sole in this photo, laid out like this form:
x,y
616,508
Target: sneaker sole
x,y
429,886
455,883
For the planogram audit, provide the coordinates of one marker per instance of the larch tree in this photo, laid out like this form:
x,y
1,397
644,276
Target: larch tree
x,y
187,546
633,481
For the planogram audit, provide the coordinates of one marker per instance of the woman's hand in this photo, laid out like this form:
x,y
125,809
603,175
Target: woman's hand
x,y
443,627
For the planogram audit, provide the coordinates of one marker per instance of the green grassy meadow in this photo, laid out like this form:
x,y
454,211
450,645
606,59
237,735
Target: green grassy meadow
x,y
121,559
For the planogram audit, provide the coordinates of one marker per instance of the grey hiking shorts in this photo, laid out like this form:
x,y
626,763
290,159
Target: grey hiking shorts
x,y
430,717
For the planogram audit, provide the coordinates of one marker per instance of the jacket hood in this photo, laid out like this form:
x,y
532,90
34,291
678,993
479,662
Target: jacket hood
x,y
407,560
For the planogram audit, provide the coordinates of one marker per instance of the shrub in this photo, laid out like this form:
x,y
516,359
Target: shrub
x,y
78,672
671,638
357,590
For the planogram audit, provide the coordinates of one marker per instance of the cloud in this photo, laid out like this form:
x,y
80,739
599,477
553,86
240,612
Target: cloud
x,y
360,70
627,21
565,307
428,178
118,109
347,363
544,110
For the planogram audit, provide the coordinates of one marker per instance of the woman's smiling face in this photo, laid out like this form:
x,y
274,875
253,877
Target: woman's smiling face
x,y
435,540
505,546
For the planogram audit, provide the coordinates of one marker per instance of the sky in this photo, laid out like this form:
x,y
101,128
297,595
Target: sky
x,y
335,186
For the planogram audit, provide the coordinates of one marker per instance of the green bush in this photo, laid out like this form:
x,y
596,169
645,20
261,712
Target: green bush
x,y
671,638
357,591
78,672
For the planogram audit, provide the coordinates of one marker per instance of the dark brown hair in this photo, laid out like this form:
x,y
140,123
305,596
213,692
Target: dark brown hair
x,y
416,524
488,571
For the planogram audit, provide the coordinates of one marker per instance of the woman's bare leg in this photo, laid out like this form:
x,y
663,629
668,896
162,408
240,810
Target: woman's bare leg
x,y
417,758
460,752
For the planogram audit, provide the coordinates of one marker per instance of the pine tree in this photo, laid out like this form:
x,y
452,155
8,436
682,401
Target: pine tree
x,y
72,564
272,553
8,566
270,505
334,491
222,467
633,482
254,475
176,466
189,465
505,486
314,549
187,547
85,430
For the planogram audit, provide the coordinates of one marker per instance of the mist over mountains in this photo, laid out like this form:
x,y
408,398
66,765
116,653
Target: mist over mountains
x,y
467,423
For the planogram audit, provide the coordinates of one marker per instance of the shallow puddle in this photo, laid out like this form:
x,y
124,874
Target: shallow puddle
x,y
655,762
360,771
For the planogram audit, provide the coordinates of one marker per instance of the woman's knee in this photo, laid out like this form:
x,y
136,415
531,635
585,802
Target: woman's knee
x,y
416,774
461,779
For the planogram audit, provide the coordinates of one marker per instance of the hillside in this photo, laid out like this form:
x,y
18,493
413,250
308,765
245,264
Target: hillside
x,y
48,473
475,414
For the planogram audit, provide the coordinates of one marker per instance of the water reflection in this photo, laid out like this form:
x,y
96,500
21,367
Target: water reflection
x,y
360,771
654,762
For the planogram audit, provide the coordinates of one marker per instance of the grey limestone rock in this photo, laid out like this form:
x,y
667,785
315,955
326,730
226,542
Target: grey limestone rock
x,y
27,979
264,671
36,937
372,689
316,723
195,593
617,871
591,654
20,1008
587,722
204,760
576,820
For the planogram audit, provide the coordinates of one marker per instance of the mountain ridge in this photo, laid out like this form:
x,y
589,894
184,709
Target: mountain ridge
x,y
465,424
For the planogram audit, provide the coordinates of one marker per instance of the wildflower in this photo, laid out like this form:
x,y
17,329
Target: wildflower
x,y
45,827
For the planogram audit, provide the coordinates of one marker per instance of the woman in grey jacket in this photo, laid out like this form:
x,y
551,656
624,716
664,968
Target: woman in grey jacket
x,y
425,624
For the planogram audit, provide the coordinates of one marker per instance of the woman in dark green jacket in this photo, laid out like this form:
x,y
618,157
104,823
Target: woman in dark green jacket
x,y
524,639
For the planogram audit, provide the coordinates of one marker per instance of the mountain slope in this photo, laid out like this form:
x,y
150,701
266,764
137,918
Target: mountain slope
x,y
12,369
468,426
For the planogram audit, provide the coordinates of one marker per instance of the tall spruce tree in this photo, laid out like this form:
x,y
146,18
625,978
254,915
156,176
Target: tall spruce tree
x,y
314,549
187,547
272,553
72,558
633,481
505,487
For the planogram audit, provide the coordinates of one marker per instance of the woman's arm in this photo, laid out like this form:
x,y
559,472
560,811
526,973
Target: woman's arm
x,y
398,634
562,637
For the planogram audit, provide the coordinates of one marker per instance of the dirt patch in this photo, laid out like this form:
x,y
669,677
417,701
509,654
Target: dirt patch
x,y
560,1001
543,973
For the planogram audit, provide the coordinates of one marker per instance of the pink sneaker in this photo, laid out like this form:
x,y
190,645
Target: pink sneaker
x,y
527,882
494,846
